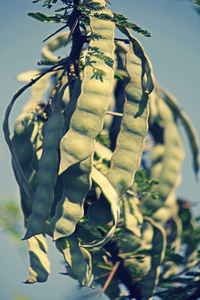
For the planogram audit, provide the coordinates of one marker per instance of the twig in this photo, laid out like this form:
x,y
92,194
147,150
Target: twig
x,y
123,272
112,273
114,113
56,87
102,276
126,41
132,193
194,296
77,43
87,3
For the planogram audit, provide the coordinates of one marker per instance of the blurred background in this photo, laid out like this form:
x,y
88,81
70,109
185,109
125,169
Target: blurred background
x,y
174,50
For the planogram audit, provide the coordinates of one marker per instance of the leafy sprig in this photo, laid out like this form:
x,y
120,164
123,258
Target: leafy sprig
x,y
123,21
58,18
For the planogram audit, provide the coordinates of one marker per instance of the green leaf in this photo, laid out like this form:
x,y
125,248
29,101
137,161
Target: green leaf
x,y
46,19
119,19
48,3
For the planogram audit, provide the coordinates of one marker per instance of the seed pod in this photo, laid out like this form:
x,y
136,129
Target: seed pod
x,y
24,141
133,218
39,264
37,90
190,130
23,156
191,244
119,92
111,196
139,264
47,174
134,125
130,142
158,252
54,44
168,210
69,210
71,106
92,105
166,164
77,258
76,147
147,75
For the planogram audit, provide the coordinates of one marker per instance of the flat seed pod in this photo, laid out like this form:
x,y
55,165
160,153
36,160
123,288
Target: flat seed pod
x,y
54,44
112,198
71,106
190,130
168,210
189,226
167,158
158,249
23,154
39,264
25,144
147,67
119,92
140,264
133,218
77,258
37,90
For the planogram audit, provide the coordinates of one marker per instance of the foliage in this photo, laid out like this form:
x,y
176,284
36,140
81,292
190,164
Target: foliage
x,y
85,8
10,217
99,162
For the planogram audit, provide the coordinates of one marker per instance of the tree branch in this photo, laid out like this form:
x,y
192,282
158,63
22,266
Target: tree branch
x,y
77,43
122,271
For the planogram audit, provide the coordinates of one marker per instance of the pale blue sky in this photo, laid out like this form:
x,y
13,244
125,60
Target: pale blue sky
x,y
174,52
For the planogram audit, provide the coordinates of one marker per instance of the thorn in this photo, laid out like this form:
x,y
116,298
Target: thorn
x,y
72,29
54,33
